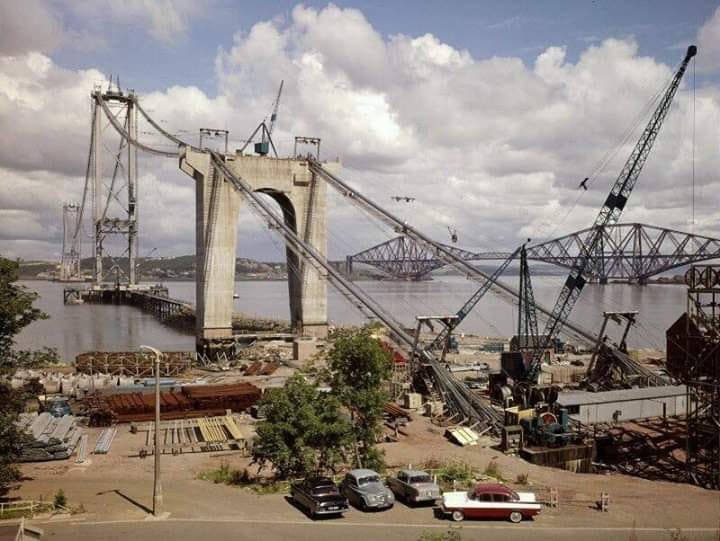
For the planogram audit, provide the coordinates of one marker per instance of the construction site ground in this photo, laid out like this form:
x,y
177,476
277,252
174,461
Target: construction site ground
x,y
118,487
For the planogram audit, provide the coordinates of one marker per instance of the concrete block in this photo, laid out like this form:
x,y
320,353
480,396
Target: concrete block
x,y
304,348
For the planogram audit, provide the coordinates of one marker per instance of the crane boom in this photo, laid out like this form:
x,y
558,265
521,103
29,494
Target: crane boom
x,y
608,215
466,308
273,116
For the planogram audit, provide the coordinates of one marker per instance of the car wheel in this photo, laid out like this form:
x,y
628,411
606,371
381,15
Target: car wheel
x,y
515,517
458,516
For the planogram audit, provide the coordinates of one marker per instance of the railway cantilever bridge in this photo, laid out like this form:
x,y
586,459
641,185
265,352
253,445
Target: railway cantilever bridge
x,y
632,252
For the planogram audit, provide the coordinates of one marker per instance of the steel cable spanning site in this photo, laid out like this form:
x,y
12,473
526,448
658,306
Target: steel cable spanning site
x,y
427,366
466,406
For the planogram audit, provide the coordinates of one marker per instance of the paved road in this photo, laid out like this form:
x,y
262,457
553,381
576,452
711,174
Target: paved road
x,y
343,530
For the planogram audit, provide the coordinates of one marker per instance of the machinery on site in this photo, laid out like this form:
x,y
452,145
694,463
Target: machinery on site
x,y
608,215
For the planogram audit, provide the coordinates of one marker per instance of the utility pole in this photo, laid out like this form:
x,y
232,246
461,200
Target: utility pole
x,y
157,484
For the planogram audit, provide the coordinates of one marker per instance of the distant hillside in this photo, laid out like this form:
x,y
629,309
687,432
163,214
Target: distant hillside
x,y
165,268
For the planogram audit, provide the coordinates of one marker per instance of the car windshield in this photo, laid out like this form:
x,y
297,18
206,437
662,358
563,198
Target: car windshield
x,y
368,479
420,479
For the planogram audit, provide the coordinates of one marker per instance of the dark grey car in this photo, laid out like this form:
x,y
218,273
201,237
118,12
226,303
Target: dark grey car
x,y
365,490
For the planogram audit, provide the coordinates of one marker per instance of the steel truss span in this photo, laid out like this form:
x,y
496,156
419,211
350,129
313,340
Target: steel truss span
x,y
632,252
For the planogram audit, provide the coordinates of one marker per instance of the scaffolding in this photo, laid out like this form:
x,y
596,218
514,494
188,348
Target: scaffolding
x,y
114,188
702,375
70,262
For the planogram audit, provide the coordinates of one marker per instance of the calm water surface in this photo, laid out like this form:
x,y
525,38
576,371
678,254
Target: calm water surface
x,y
77,328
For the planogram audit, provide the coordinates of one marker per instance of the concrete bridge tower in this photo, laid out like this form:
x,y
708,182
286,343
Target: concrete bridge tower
x,y
302,198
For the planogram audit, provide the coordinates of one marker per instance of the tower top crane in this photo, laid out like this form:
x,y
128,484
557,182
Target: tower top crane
x,y
263,147
266,143
608,215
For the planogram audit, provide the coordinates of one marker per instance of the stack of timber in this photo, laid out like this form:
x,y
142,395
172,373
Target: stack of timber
x,y
49,438
203,434
191,401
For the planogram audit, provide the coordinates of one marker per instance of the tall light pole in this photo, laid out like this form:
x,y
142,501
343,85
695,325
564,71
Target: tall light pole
x,y
157,485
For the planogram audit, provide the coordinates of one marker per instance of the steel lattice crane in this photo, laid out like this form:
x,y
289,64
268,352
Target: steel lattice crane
x,y
466,308
527,315
266,143
609,214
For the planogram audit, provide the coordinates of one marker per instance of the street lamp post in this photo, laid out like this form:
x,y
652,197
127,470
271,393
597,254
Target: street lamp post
x,y
157,484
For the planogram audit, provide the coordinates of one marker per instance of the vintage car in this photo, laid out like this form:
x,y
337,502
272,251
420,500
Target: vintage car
x,y
365,490
414,486
490,501
319,496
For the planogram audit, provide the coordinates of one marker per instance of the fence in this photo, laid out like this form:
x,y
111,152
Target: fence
x,y
23,508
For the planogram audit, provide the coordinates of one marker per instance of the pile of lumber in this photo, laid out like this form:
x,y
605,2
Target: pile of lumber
x,y
49,438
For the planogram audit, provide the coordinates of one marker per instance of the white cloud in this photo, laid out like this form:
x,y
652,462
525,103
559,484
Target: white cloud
x,y
494,147
708,41
30,25
165,20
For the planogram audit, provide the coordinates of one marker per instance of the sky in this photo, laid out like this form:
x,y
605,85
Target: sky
x,y
488,114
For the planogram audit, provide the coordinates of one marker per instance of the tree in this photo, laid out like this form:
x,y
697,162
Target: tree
x,y
303,432
11,403
16,312
359,366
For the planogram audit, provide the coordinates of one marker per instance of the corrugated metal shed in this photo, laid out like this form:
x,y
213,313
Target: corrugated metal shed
x,y
574,398
625,404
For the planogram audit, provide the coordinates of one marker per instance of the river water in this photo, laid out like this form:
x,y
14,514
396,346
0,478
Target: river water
x,y
76,328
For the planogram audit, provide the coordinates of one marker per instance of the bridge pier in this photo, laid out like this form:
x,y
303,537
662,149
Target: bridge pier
x,y
302,199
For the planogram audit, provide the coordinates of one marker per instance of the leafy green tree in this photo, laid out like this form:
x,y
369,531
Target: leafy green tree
x,y
16,312
359,366
11,403
303,432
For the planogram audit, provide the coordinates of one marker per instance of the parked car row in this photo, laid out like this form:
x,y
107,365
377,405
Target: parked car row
x,y
364,489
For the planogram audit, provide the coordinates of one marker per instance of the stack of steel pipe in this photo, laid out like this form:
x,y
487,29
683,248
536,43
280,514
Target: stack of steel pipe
x,y
50,438
191,401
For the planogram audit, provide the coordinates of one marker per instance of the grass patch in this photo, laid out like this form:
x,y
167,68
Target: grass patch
x,y
450,535
225,475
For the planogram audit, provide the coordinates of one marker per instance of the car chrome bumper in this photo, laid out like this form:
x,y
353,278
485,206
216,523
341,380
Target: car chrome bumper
x,y
326,511
425,499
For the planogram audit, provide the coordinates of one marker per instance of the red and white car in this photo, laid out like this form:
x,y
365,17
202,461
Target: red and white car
x,y
490,501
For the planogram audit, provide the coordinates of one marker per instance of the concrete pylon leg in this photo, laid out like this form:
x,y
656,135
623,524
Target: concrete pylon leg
x,y
302,199
308,299
216,210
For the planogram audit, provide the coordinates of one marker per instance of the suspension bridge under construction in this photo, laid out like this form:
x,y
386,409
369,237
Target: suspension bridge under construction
x,y
298,184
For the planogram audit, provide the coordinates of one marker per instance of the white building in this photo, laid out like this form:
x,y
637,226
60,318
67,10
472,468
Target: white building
x,y
624,404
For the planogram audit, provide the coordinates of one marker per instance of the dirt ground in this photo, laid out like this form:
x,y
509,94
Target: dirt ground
x,y
118,486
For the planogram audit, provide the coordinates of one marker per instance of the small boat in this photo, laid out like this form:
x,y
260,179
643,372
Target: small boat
x,y
236,296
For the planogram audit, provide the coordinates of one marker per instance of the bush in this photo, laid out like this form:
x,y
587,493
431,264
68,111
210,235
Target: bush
x,y
459,473
60,501
493,470
522,479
